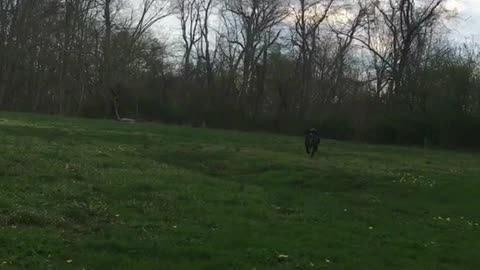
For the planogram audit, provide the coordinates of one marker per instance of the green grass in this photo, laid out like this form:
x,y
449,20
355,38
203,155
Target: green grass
x,y
84,194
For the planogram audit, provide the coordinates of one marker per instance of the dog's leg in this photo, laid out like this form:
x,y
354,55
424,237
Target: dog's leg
x,y
314,149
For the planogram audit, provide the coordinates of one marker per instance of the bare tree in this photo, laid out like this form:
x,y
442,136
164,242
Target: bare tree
x,y
205,49
255,18
308,16
190,22
151,11
398,26
345,33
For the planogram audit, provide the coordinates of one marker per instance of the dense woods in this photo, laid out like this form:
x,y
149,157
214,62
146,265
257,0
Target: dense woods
x,y
372,70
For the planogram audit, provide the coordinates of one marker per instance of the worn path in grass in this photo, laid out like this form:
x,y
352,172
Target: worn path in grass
x,y
85,194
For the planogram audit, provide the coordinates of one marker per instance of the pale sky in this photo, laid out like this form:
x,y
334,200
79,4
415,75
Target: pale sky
x,y
465,26
468,23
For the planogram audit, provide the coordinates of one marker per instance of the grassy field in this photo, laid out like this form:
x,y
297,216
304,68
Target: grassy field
x,y
83,194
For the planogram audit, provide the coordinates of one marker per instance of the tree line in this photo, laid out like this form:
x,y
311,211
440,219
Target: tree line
x,y
370,70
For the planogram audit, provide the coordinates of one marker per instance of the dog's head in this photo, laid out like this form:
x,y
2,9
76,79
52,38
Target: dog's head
x,y
311,131
312,137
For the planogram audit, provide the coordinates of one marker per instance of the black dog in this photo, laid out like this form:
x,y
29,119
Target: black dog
x,y
312,139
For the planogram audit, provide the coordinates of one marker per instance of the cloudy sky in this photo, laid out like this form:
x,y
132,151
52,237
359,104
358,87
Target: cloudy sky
x,y
467,25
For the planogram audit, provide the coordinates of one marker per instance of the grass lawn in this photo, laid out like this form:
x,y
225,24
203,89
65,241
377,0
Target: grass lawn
x,y
91,194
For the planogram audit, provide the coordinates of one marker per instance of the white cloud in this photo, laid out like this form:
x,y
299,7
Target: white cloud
x,y
455,5
469,17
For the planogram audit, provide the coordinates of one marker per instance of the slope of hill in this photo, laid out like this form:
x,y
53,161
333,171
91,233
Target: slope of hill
x,y
88,194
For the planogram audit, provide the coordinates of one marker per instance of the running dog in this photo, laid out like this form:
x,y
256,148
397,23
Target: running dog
x,y
312,139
